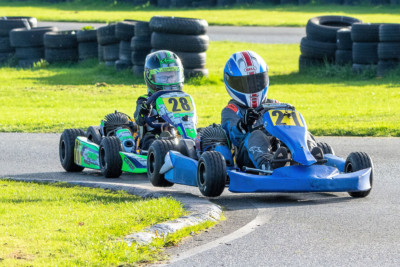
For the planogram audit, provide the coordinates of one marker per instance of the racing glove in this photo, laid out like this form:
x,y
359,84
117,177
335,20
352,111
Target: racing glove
x,y
248,119
144,109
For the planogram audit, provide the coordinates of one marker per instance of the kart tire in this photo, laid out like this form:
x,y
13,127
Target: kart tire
x,y
66,149
211,174
178,25
343,39
100,52
343,57
125,50
155,159
5,45
61,54
109,159
29,38
179,42
142,28
125,30
28,63
326,148
31,20
365,53
317,49
86,36
61,39
225,2
4,57
361,68
93,134
389,33
6,25
385,66
192,60
163,3
88,50
106,35
141,43
365,32
357,161
121,65
138,70
387,51
29,52
111,52
138,57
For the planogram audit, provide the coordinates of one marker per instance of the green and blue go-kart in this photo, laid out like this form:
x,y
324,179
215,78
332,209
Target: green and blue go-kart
x,y
210,166
113,147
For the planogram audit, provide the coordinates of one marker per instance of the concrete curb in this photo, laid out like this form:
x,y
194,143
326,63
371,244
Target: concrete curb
x,y
200,210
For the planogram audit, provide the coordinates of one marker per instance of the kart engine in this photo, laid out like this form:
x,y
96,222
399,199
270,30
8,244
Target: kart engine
x,y
115,120
211,136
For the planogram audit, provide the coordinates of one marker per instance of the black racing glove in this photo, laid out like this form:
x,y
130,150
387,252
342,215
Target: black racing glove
x,y
248,119
144,109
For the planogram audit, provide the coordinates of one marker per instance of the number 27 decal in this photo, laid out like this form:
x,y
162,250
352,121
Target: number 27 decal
x,y
280,117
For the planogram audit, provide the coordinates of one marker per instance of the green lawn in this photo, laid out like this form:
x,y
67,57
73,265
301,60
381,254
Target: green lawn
x,y
333,101
260,14
64,225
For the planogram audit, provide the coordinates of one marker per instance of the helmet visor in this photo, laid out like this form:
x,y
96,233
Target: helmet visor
x,y
248,84
166,76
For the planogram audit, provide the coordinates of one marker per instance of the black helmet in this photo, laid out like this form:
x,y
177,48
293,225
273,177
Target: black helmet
x,y
163,70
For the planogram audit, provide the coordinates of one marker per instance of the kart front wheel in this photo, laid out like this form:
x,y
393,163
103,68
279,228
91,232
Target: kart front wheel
x,y
66,149
211,174
357,161
93,134
155,159
109,158
326,148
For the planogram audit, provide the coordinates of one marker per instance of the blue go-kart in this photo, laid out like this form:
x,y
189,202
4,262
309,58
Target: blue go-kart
x,y
207,162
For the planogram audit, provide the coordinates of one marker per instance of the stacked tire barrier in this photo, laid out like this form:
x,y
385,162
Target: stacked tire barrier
x,y
140,47
124,31
61,46
29,45
6,25
344,44
365,38
184,36
388,48
319,45
87,44
109,44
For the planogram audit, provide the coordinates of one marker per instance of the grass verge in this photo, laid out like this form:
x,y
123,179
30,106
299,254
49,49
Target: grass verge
x,y
255,15
65,225
333,100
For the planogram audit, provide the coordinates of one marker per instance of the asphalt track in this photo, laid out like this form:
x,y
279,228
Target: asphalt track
x,y
266,35
327,229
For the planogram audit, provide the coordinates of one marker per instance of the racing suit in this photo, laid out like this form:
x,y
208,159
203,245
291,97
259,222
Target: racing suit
x,y
253,148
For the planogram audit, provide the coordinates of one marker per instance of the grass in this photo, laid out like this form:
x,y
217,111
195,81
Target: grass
x,y
258,15
64,225
333,100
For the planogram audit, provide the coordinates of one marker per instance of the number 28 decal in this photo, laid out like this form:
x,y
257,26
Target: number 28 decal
x,y
281,117
178,104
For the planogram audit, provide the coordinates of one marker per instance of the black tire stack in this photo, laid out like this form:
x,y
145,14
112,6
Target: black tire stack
x,y
184,36
87,44
28,44
6,25
343,54
140,47
319,45
61,46
109,44
225,2
365,38
388,48
124,31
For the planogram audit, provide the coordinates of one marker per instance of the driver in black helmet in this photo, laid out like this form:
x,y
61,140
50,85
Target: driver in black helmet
x,y
163,70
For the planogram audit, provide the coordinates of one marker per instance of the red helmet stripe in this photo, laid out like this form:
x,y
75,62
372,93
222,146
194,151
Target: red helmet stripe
x,y
247,58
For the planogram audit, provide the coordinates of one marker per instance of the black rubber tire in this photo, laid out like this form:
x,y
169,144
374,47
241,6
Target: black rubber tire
x,y
316,49
5,46
125,30
193,73
4,57
93,134
100,52
141,43
28,63
109,159
60,39
106,35
385,66
307,62
180,3
211,174
357,161
53,55
192,60
343,57
387,51
179,43
6,25
31,20
324,28
225,2
155,159
365,32
109,63
142,28
86,36
343,39
138,70
326,148
125,50
138,57
389,33
204,3
360,68
365,53
163,3
111,52
178,25
66,149
122,65
29,38
88,50
29,52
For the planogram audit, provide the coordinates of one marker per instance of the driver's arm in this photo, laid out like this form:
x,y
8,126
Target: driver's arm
x,y
229,120
139,119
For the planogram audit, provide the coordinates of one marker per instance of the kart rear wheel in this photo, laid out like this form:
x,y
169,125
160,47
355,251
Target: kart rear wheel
x,y
155,160
109,158
211,174
357,161
66,149
326,148
93,134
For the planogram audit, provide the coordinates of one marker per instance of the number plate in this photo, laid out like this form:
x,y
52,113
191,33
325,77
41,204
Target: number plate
x,y
282,117
178,104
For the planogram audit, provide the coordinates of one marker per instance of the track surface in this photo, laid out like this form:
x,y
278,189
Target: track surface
x,y
263,229
264,35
